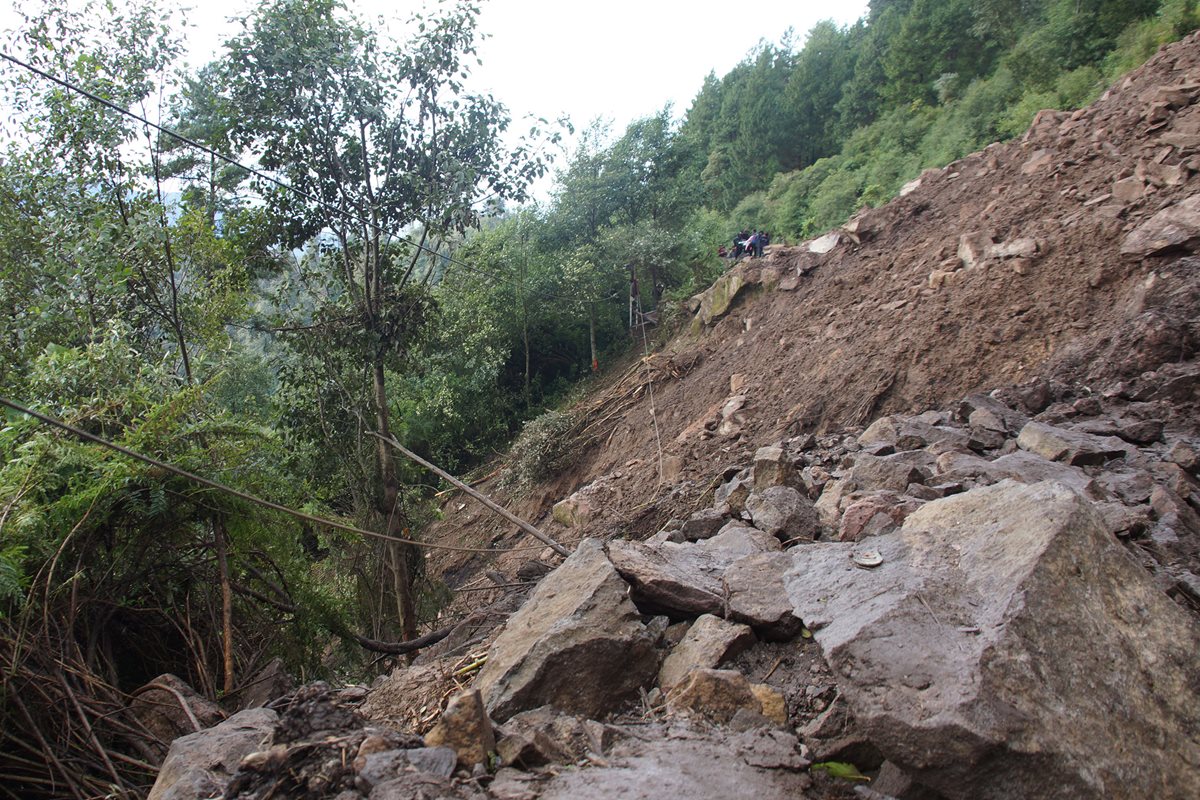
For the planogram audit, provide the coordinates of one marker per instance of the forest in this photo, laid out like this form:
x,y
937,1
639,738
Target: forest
x,y
267,270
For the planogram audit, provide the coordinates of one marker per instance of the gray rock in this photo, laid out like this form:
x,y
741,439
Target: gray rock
x,y
1174,226
733,493
1072,447
991,409
685,765
784,512
216,752
577,644
683,578
704,523
269,683
893,472
545,736
423,786
1008,647
167,705
741,538
1185,455
709,643
773,467
387,765
757,595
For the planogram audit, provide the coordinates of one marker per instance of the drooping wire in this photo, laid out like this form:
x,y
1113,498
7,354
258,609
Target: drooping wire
x,y
191,476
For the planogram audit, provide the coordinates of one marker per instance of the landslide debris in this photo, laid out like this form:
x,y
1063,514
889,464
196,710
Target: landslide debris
x,y
926,512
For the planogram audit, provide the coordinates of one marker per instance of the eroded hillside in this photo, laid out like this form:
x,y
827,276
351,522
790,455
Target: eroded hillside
x,y
918,498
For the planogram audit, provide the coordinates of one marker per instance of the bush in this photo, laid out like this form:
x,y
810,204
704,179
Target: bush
x,y
543,448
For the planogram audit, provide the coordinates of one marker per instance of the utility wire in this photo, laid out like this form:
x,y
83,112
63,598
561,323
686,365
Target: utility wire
x,y
257,173
191,476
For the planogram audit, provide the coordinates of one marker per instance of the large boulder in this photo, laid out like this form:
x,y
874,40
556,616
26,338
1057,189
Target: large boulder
x,y
686,579
202,763
169,708
1008,647
578,643
785,513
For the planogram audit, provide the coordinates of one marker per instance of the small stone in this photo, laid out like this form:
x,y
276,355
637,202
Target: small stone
x,y
715,694
465,728
708,643
774,705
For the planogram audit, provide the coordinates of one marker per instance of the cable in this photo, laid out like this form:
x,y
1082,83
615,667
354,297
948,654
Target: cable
x,y
82,434
257,173
641,319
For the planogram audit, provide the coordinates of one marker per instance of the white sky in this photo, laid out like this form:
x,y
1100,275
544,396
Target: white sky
x,y
616,59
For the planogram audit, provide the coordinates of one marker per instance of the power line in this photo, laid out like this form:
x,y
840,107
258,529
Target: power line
x,y
257,173
191,476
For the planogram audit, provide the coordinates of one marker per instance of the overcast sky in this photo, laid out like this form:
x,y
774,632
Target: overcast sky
x,y
615,59
619,59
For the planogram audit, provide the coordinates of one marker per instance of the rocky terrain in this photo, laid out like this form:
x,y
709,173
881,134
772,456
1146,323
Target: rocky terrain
x,y
909,511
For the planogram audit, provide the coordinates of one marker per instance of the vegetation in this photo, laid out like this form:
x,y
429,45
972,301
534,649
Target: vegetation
x,y
381,273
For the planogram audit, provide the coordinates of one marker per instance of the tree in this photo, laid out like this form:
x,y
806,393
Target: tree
x,y
375,139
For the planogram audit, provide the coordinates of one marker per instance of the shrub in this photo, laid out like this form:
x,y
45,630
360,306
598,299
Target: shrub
x,y
543,448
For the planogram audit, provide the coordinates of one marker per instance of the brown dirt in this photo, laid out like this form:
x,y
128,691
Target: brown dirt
x,y
864,335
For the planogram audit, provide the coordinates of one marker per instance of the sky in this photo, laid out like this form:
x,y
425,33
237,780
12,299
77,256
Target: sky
x,y
615,59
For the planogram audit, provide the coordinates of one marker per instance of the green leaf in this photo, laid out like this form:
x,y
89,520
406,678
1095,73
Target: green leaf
x,y
839,769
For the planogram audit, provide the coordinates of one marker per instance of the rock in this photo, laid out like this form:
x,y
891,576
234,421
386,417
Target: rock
x,y
772,467
1176,226
269,683
684,578
465,728
379,768
716,301
733,493
198,760
783,512
772,702
715,694
1185,455
545,736
420,785
874,515
974,249
738,538
577,643
757,595
704,523
835,735
994,650
693,765
1039,161
1129,190
1023,247
824,244
170,708
1071,447
829,505
893,472
709,642
572,511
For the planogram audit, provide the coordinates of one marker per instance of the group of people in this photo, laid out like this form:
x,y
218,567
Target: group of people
x,y
744,242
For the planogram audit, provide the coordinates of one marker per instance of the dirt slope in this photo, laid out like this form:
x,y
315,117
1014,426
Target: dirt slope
x,y
893,320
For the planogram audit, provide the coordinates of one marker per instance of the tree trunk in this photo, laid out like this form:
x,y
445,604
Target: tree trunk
x,y
592,335
388,507
226,603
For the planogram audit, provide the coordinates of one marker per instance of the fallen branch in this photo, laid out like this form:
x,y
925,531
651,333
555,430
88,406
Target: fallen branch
x,y
480,496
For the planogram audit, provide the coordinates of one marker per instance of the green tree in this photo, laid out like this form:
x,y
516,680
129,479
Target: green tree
x,y
375,138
